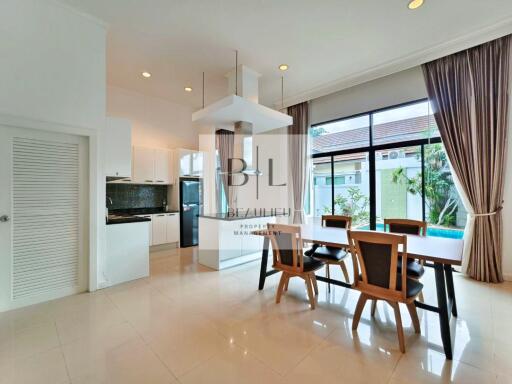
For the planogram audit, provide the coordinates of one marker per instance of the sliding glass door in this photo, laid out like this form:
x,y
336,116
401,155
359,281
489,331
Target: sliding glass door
x,y
382,164
398,184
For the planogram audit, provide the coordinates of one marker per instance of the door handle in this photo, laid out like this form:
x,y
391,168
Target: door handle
x,y
4,219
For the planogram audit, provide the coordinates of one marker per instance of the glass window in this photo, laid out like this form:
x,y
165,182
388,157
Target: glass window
x,y
340,135
351,198
320,193
398,184
443,206
410,122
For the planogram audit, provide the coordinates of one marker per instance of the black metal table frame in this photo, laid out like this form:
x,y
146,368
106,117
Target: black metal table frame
x,y
446,304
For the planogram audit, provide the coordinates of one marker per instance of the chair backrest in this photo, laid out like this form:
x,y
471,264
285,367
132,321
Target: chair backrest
x,y
337,221
406,226
375,258
287,247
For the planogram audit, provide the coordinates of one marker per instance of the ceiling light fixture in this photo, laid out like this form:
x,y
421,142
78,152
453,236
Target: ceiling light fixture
x,y
146,74
188,89
283,67
415,4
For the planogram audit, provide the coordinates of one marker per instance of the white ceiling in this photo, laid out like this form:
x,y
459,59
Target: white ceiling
x,y
328,44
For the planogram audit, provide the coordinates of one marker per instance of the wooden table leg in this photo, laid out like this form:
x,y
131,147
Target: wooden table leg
x,y
444,315
450,288
264,260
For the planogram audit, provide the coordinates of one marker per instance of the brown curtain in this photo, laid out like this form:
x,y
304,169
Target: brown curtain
x,y
298,157
224,143
469,95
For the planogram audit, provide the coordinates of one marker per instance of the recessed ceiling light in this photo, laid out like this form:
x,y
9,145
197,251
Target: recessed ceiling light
x,y
146,74
283,67
188,89
414,4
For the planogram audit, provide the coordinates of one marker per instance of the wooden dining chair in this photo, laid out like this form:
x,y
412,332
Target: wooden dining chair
x,y
415,269
287,248
375,257
332,255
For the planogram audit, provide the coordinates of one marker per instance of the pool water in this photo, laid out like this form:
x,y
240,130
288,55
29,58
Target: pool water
x,y
436,232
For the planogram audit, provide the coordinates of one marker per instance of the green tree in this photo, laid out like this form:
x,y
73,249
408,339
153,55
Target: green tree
x,y
354,205
440,194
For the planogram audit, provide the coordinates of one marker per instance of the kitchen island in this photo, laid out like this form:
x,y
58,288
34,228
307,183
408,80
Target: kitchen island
x,y
227,240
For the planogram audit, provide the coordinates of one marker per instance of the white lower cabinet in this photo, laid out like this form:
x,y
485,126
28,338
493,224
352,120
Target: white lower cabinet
x,y
173,227
159,229
150,228
127,252
165,228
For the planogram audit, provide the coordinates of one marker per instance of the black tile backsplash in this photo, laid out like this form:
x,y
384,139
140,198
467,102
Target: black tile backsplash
x,y
125,196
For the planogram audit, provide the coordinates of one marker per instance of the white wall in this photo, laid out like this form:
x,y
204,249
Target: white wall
x,y
52,77
52,64
272,145
155,122
507,206
394,89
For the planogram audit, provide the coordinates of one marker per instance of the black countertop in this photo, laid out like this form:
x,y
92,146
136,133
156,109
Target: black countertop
x,y
141,211
125,219
231,217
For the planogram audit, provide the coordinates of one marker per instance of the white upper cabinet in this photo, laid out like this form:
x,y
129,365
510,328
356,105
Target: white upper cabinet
x,y
162,166
189,163
152,165
118,148
197,164
143,165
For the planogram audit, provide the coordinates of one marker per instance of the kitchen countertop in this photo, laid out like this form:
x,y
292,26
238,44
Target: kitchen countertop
x,y
231,217
141,211
117,218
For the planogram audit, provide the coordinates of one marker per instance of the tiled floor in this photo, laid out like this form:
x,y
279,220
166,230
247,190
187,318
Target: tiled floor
x,y
187,324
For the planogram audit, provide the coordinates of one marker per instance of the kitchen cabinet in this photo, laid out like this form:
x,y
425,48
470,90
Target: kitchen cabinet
x,y
173,227
143,165
165,228
118,148
197,164
159,224
152,166
150,227
162,159
189,163
127,252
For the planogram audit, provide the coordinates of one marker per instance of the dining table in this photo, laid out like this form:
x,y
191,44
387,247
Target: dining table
x,y
442,254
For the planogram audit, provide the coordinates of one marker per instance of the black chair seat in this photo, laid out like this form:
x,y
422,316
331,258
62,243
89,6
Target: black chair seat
x,y
311,264
413,286
414,269
330,253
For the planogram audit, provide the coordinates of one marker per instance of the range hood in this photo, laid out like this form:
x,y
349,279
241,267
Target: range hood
x,y
242,107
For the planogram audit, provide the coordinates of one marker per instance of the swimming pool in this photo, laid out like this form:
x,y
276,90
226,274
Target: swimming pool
x,y
431,231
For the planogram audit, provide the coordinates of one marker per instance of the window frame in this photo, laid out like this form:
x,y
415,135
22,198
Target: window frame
x,y
371,149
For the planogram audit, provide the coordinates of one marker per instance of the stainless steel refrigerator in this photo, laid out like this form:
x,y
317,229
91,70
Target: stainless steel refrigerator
x,y
191,206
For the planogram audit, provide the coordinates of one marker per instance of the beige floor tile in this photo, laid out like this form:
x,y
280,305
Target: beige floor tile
x,y
277,344
86,355
130,363
201,325
82,324
185,344
434,368
503,358
29,341
232,366
46,367
330,363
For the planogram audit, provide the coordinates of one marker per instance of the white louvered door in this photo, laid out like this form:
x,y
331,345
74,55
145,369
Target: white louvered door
x,y
43,189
